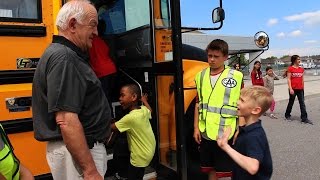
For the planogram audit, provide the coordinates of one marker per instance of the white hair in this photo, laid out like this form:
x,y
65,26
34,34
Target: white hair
x,y
72,9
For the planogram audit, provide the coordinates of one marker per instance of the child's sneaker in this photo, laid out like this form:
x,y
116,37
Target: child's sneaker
x,y
273,116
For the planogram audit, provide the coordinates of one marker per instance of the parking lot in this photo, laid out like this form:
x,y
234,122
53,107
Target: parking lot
x,y
294,146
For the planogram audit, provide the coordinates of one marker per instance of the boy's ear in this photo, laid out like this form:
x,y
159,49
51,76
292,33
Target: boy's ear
x,y
134,97
256,110
226,57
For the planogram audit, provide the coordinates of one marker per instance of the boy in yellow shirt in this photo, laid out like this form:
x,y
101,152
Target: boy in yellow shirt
x,y
140,136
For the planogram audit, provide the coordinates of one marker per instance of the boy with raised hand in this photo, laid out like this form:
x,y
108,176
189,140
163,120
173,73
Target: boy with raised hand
x,y
251,152
140,136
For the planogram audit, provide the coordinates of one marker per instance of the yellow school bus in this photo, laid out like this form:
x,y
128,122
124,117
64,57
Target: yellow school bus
x,y
145,39
26,29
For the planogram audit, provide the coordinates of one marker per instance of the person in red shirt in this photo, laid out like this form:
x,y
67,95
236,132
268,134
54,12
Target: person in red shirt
x,y
296,88
101,62
256,74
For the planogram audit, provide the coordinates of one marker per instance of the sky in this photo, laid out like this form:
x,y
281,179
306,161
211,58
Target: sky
x,y
293,26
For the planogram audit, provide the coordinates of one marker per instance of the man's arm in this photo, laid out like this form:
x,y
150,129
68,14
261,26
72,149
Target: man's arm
x,y
74,138
249,164
196,131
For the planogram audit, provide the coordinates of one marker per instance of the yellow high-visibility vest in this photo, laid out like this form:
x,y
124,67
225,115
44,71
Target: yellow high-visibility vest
x,y
9,164
218,102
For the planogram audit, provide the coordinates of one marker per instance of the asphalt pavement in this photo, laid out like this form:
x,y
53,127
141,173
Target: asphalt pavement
x,y
295,147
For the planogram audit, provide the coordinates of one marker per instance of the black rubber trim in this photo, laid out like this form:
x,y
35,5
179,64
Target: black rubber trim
x,y
16,76
44,177
17,126
24,31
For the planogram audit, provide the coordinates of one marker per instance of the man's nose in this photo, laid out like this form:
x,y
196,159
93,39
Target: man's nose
x,y
95,31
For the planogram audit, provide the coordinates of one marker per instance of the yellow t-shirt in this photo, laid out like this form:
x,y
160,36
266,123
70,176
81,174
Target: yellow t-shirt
x,y
140,136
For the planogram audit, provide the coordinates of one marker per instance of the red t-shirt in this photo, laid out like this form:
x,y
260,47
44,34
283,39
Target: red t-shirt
x,y
296,77
256,78
100,60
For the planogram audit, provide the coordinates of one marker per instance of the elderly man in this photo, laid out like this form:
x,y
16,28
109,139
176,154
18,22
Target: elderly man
x,y
70,110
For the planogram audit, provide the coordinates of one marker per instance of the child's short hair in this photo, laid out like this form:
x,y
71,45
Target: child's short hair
x,y
219,45
268,68
259,95
134,89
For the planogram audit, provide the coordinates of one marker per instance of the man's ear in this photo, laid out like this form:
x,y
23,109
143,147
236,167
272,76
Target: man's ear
x,y
72,24
256,110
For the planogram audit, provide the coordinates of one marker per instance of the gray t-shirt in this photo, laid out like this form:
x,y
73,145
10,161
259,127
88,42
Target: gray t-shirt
x,y
269,83
64,81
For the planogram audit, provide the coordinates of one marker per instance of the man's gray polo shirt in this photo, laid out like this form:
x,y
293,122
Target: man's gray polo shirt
x,y
64,81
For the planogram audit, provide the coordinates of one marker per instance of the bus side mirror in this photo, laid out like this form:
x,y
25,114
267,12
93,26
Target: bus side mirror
x,y
218,15
261,39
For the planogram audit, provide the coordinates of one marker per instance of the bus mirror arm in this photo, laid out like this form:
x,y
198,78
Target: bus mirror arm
x,y
218,16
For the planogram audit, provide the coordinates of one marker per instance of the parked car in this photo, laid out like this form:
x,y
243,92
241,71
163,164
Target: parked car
x,y
305,65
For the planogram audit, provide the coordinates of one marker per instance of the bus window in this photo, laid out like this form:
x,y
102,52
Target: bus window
x,y
20,10
165,14
125,15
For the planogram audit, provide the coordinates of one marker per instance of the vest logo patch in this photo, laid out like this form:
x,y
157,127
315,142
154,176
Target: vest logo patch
x,y
229,82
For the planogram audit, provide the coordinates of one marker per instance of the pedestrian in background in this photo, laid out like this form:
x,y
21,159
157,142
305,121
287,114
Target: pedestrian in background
x,y
269,84
236,66
296,88
102,63
70,110
256,74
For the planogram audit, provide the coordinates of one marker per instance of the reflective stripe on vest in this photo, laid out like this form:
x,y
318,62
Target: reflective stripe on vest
x,y
217,107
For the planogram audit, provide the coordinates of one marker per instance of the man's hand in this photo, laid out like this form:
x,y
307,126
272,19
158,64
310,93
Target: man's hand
x,y
197,135
223,140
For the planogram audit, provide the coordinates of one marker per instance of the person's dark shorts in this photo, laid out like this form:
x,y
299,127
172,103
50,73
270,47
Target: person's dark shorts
x,y
212,157
135,173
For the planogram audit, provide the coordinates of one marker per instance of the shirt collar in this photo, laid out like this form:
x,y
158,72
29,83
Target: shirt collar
x,y
251,126
64,41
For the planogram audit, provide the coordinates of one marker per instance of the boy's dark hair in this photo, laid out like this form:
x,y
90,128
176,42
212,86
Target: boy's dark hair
x,y
268,68
219,45
134,89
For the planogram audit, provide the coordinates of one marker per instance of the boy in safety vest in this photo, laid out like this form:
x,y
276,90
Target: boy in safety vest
x,y
218,88
10,167
251,151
